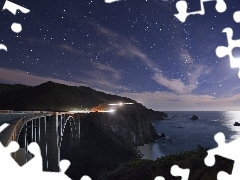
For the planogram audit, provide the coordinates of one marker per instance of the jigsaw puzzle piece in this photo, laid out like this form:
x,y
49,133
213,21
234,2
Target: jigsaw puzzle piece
x,y
222,51
221,6
5,155
86,178
12,7
223,176
111,1
182,6
236,16
220,139
35,164
4,125
64,165
7,164
177,171
227,150
159,178
3,47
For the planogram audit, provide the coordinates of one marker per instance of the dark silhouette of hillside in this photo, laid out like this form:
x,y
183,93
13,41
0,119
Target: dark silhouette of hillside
x,y
107,139
53,96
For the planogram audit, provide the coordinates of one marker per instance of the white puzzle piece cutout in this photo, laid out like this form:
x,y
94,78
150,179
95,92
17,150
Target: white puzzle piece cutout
x,y
12,7
182,6
222,51
228,150
32,169
15,27
177,171
111,1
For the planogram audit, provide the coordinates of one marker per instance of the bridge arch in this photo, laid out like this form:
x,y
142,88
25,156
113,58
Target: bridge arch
x,y
48,131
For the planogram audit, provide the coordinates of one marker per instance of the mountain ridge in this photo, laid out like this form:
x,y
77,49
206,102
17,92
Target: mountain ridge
x,y
60,97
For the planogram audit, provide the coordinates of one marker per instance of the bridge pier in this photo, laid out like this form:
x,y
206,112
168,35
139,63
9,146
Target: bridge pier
x,y
53,151
77,120
38,130
42,142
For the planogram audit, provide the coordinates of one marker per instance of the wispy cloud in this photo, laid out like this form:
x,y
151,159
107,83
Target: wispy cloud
x,y
116,75
123,47
70,49
22,77
103,76
175,85
167,101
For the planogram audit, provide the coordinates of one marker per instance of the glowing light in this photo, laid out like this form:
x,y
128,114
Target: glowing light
x,y
119,104
79,111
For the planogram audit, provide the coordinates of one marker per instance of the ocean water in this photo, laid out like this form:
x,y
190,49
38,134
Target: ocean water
x,y
183,134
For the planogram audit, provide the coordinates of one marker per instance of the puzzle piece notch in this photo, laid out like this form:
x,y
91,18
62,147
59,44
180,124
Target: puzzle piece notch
x,y
32,168
7,164
223,176
64,165
3,47
228,150
86,178
4,125
177,171
159,178
35,162
220,139
16,27
182,6
12,7
236,16
111,1
222,51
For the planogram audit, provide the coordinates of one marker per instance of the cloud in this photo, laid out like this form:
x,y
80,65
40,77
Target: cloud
x,y
167,101
107,68
70,49
123,47
175,85
104,77
22,77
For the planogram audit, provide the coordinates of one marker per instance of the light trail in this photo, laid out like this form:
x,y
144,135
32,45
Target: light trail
x,y
119,104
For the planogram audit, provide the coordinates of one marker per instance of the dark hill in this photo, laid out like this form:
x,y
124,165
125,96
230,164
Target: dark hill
x,y
52,96
59,97
107,139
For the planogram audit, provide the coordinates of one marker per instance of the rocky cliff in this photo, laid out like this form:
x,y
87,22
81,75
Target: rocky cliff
x,y
132,127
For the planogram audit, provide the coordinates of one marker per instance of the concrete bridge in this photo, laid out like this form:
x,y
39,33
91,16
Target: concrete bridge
x,y
47,129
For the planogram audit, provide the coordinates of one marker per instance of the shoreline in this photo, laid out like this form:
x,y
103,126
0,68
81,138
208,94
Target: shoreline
x,y
150,151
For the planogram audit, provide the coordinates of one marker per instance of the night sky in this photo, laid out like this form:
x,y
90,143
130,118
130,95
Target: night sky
x,y
133,48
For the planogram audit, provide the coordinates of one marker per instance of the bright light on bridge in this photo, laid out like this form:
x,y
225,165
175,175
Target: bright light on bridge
x,y
80,111
111,111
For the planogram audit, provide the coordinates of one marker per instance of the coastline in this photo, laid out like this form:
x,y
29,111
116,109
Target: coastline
x,y
150,151
183,134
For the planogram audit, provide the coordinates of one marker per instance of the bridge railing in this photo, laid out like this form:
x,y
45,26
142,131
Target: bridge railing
x,y
11,132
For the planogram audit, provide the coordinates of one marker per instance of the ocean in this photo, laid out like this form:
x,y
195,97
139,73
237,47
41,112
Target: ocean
x,y
184,134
